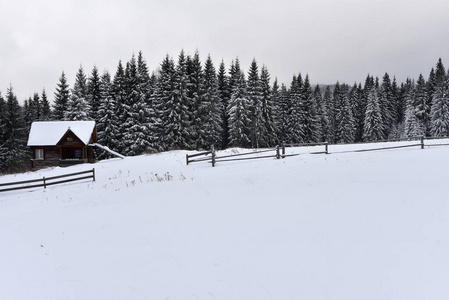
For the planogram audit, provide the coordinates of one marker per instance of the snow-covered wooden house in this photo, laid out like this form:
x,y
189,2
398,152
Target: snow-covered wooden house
x,y
62,143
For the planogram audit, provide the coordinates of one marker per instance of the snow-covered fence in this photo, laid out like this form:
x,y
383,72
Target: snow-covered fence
x,y
212,158
234,157
280,151
325,144
416,142
46,181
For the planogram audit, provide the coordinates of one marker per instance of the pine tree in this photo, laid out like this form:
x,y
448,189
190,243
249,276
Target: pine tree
x,y
386,105
108,129
135,128
78,108
295,126
309,117
46,111
358,106
173,105
195,96
118,93
321,114
373,129
224,94
238,107
328,100
346,128
440,110
282,114
412,125
211,106
2,123
268,110
14,154
421,105
93,95
254,96
62,95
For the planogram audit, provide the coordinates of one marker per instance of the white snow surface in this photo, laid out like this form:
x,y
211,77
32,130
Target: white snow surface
x,y
50,133
370,225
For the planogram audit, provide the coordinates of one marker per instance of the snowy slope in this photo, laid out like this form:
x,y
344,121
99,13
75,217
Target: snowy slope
x,y
371,225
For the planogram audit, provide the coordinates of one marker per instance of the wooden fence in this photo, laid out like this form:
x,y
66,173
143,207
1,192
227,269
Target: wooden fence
x,y
191,158
279,151
47,181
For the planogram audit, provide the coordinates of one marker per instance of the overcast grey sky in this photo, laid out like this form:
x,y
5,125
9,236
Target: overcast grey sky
x,y
329,40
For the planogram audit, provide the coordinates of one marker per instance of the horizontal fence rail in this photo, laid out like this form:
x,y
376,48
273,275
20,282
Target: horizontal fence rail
x,y
280,150
47,181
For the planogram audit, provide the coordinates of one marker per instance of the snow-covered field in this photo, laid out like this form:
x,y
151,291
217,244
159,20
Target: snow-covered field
x,y
371,225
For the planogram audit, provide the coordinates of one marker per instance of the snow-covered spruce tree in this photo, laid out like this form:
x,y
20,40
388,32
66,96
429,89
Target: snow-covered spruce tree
x,y
336,107
386,104
328,100
283,104
238,107
108,122
178,108
412,125
78,108
399,105
195,94
13,152
93,95
2,128
373,127
173,104
61,100
45,105
431,81
211,106
345,125
321,115
440,110
146,85
295,127
421,105
35,107
358,107
224,94
118,93
161,95
268,110
308,107
254,95
136,130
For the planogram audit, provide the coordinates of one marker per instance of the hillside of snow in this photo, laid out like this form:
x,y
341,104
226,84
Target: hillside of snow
x,y
371,225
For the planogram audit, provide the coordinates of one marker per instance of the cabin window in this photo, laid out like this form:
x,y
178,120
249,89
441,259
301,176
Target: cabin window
x,y
39,153
70,139
78,154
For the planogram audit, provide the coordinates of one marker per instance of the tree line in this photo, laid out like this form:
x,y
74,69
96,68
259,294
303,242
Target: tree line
x,y
186,104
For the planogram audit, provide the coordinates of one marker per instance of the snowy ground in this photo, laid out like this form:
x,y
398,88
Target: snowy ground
x,y
371,225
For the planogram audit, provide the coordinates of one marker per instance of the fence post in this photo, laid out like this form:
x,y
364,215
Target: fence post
x,y
45,185
422,142
283,150
187,159
93,174
278,155
212,149
326,147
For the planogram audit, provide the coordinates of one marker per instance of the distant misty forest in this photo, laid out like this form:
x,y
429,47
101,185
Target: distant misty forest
x,y
190,104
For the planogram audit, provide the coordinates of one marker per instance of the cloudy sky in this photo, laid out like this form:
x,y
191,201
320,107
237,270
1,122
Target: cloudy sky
x,y
330,40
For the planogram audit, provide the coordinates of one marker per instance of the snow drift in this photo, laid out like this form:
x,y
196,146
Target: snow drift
x,y
369,225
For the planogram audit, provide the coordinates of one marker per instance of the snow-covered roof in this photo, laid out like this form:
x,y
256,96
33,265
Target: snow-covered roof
x,y
50,133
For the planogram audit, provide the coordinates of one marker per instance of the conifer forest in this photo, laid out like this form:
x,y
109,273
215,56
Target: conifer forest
x,y
190,104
